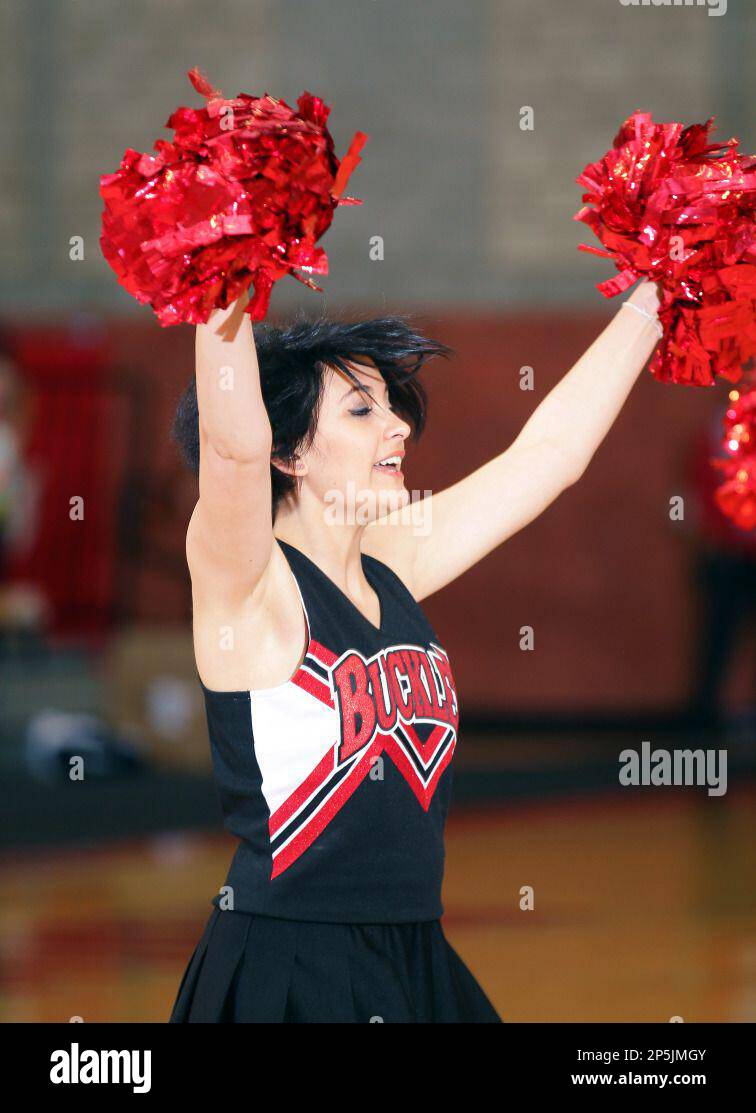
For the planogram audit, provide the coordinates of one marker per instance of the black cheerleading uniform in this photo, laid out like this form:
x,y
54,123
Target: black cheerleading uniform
x,y
337,783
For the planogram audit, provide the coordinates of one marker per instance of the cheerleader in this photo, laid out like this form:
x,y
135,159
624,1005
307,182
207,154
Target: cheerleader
x,y
331,703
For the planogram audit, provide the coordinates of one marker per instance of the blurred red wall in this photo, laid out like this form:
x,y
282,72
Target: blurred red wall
x,y
604,577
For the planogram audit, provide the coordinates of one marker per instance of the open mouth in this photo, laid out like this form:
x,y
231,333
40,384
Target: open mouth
x,y
391,464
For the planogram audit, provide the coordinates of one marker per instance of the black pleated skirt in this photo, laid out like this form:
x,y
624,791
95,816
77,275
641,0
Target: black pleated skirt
x,y
249,968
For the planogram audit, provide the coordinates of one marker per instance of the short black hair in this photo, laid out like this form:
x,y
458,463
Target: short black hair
x,y
292,362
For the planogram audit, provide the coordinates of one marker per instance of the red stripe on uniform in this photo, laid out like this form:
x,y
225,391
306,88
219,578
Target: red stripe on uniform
x,y
322,653
320,819
406,768
425,749
320,773
313,686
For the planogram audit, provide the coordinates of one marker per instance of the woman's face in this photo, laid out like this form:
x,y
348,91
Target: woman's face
x,y
357,429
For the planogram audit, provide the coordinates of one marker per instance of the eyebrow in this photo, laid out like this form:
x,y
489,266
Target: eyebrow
x,y
360,389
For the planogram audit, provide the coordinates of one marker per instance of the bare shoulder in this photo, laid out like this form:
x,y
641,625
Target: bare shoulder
x,y
252,643
394,545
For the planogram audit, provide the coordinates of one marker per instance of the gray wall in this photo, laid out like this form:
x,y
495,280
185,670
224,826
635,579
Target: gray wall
x,y
472,209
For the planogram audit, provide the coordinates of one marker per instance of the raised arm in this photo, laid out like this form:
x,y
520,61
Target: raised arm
x,y
469,519
230,534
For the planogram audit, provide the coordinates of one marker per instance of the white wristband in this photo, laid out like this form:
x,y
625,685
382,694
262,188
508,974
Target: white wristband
x,y
646,314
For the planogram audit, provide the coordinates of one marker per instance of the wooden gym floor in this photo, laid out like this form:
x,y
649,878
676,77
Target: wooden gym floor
x,y
644,909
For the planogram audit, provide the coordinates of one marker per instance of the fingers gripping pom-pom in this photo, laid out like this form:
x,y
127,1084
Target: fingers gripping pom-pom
x,y
239,197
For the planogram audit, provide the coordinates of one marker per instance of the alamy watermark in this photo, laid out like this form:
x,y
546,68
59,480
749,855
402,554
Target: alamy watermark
x,y
360,506
675,767
716,7
82,1066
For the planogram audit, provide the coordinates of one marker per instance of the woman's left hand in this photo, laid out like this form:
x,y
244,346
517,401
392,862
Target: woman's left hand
x,y
646,295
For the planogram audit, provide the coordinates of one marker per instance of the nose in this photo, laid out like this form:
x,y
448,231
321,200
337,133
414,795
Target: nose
x,y
396,426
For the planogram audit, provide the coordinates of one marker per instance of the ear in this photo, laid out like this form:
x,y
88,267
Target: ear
x,y
297,467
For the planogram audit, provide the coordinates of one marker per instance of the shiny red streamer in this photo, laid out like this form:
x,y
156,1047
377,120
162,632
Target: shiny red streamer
x,y
239,197
736,495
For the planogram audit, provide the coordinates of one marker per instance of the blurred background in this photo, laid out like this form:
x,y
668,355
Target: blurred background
x,y
644,624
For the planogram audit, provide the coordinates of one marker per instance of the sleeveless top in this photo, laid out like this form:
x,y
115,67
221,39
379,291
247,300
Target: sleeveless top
x,y
337,781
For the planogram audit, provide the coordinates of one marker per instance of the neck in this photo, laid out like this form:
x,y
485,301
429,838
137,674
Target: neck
x,y
334,547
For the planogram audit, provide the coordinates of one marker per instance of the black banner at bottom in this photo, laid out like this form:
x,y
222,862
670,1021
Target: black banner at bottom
x,y
64,1061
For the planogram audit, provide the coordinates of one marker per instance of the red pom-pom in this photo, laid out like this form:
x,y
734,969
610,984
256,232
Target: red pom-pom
x,y
740,423
736,496
672,207
240,196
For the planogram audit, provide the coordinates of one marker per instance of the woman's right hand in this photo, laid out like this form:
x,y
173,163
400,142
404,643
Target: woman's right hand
x,y
232,315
